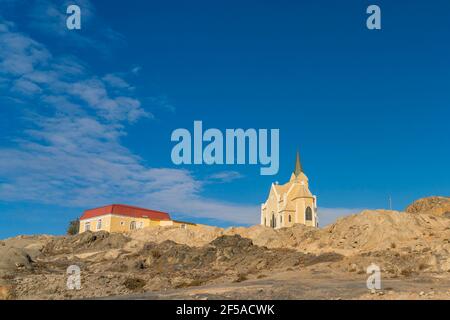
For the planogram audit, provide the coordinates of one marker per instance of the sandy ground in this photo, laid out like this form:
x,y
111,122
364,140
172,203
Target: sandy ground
x,y
307,285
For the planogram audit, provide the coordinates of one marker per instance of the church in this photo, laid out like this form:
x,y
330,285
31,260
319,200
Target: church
x,y
291,202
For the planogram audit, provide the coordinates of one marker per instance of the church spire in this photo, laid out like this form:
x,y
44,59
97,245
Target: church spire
x,y
298,165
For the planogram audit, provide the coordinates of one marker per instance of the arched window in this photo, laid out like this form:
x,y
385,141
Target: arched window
x,y
308,214
132,225
265,221
290,218
274,221
281,219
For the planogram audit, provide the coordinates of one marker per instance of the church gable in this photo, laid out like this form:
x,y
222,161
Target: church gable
x,y
300,191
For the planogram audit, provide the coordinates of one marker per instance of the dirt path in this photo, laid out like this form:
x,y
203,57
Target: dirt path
x,y
307,285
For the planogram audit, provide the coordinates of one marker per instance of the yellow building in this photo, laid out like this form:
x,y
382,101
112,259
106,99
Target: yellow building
x,y
291,202
123,218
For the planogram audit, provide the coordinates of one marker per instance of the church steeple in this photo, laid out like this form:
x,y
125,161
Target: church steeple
x,y
298,165
294,197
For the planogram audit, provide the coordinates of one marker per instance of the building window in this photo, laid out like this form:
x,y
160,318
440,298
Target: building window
x,y
132,225
122,223
290,218
265,221
183,226
141,225
87,226
273,222
308,214
99,224
281,219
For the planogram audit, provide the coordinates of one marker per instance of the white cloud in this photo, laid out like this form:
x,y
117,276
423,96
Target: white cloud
x,y
160,102
5,26
116,81
71,153
94,93
26,87
136,70
225,176
20,55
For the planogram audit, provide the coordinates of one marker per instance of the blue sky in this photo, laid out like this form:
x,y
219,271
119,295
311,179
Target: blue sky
x,y
86,116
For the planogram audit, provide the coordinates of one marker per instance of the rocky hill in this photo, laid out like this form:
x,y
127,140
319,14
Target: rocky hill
x,y
412,250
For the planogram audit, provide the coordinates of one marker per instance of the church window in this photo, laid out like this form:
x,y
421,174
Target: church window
x,y
290,218
308,214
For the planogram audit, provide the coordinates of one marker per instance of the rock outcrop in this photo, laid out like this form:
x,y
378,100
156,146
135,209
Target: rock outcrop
x,y
433,205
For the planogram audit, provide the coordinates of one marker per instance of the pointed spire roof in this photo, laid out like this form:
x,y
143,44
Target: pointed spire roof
x,y
298,165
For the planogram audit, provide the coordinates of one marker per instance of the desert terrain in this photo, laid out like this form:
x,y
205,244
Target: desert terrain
x,y
412,249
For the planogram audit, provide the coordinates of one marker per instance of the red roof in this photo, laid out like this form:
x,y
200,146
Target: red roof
x,y
124,210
